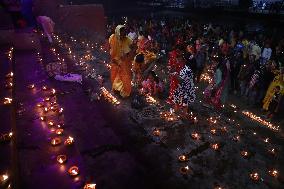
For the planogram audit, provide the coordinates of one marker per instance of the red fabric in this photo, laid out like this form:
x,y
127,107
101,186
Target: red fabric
x,y
175,66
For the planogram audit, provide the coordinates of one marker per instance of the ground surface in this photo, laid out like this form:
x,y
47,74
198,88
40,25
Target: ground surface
x,y
115,146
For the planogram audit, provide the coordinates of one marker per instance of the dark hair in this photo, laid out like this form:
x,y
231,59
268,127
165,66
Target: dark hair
x,y
278,87
139,58
153,74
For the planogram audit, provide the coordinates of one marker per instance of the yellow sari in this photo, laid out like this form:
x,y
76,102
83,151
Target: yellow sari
x,y
121,63
278,81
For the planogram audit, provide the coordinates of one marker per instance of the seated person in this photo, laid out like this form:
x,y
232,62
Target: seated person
x,y
152,85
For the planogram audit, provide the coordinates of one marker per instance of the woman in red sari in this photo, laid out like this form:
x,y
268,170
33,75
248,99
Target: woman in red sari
x,y
175,65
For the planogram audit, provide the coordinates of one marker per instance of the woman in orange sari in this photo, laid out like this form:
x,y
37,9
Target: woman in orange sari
x,y
120,61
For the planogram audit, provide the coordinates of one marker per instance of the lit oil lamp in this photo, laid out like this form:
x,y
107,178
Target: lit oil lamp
x,y
56,141
60,111
50,123
224,129
273,173
73,171
215,146
195,120
183,158
31,86
272,151
213,131
42,118
156,132
44,88
4,178
46,99
195,136
59,131
236,138
69,141
245,154
53,91
61,159
7,101
40,105
266,140
45,109
254,176
184,170
90,186
10,75
9,85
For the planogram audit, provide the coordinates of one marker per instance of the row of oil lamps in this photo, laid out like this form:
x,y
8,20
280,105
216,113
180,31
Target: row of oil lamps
x,y
49,106
82,62
6,137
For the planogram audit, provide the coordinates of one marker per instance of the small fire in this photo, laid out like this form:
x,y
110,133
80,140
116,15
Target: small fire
x,y
254,176
90,186
273,173
213,131
195,136
73,171
69,141
215,146
8,100
244,154
59,131
5,177
61,159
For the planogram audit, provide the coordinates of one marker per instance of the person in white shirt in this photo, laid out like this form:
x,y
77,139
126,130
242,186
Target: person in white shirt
x,y
266,54
132,34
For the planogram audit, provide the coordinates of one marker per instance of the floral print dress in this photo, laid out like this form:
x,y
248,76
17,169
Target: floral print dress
x,y
184,95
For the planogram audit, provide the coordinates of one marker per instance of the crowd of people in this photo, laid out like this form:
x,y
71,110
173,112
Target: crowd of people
x,y
249,65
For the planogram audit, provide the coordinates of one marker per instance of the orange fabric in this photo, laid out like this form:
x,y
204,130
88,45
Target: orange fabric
x,y
120,73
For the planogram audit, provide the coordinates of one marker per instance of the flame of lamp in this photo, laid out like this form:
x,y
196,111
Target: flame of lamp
x,y
182,158
42,118
7,100
244,153
254,176
213,131
195,136
32,86
69,141
10,75
156,132
4,178
61,159
59,131
215,146
50,123
273,173
73,171
44,88
184,170
9,85
56,141
90,186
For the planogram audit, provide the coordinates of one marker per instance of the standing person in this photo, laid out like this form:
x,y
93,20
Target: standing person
x,y
184,95
235,69
175,65
200,58
47,25
221,85
121,61
275,101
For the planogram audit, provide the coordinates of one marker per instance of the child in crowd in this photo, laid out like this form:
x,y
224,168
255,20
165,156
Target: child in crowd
x,y
152,85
